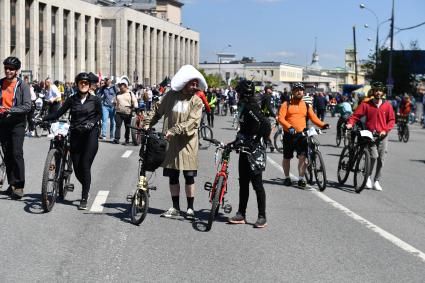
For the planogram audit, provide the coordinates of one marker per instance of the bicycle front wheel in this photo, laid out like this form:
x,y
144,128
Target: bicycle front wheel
x,y
406,134
319,170
278,141
65,177
215,202
139,206
361,170
205,132
344,165
50,183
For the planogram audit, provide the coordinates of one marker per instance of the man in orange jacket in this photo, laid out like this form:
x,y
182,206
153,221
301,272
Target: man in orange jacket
x,y
293,118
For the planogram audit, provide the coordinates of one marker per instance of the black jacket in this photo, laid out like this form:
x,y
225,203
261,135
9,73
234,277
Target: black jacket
x,y
267,106
253,123
81,114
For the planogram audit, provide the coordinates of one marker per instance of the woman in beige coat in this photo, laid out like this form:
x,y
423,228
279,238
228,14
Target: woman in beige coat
x,y
182,112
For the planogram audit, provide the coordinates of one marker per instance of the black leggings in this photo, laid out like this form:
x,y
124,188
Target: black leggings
x,y
83,151
119,119
210,117
246,176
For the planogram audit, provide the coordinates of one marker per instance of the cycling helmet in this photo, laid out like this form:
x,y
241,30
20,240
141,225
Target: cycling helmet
x,y
82,77
12,61
378,86
268,87
298,85
245,88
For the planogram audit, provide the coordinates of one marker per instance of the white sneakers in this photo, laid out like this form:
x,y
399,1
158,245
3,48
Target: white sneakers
x,y
371,185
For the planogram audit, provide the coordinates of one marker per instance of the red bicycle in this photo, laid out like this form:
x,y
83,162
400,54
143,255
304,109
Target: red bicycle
x,y
219,188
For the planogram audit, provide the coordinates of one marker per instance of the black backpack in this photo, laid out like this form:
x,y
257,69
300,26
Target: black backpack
x,y
156,149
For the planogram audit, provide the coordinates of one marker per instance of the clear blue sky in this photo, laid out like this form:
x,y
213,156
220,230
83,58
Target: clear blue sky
x,y
284,30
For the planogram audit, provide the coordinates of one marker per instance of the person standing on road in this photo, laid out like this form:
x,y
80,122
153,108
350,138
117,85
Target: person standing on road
x,y
380,118
53,96
85,112
268,111
108,94
293,118
182,112
254,130
15,103
212,101
319,105
30,115
125,101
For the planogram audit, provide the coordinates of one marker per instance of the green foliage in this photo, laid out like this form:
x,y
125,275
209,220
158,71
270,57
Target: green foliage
x,y
212,80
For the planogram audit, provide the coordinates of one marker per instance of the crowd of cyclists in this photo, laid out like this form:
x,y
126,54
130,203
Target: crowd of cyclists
x,y
94,103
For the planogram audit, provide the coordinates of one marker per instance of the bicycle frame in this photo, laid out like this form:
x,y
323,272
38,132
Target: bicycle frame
x,y
223,172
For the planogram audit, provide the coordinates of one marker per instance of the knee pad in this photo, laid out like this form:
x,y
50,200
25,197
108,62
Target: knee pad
x,y
190,180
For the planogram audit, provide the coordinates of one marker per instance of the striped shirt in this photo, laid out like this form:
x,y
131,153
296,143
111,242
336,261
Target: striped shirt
x,y
308,99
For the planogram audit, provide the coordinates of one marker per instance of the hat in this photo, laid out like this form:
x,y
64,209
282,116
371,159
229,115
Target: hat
x,y
185,75
124,80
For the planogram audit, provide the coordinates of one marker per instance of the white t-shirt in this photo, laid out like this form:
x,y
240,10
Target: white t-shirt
x,y
53,93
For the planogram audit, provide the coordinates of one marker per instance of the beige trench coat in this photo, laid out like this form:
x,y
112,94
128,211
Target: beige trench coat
x,y
182,116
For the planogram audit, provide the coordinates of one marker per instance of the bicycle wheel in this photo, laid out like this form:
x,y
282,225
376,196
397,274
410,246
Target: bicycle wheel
x,y
400,134
319,170
65,177
235,123
338,141
309,174
361,170
139,206
51,174
205,132
345,138
344,165
406,133
2,172
215,202
278,141
135,135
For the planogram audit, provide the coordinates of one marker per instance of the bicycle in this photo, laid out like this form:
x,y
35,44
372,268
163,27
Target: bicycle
x,y
218,188
57,168
136,122
278,138
402,128
204,133
235,120
315,163
140,199
355,157
342,137
2,169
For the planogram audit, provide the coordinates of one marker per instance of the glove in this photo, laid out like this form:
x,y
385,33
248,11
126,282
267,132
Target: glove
x,y
291,131
325,127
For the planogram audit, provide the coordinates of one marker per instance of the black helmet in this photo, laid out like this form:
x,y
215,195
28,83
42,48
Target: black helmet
x,y
12,61
245,88
298,85
268,87
378,86
82,77
93,78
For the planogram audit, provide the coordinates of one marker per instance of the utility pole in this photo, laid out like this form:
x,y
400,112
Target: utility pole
x,y
355,55
390,81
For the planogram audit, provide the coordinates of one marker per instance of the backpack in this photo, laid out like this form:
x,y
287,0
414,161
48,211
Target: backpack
x,y
155,151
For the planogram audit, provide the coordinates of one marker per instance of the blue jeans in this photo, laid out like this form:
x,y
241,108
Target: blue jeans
x,y
108,112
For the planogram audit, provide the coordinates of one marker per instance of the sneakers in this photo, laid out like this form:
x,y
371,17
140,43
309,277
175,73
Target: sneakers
x,y
126,142
17,193
237,219
271,149
369,183
302,183
287,182
377,186
116,142
261,222
83,204
190,214
170,213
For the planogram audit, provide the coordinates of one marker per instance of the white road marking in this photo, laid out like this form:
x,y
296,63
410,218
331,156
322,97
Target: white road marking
x,y
366,223
99,201
127,154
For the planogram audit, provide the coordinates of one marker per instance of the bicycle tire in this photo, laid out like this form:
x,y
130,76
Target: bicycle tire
x,y
406,134
38,130
139,212
65,178
215,202
48,198
308,174
400,134
278,141
359,186
317,170
205,132
344,165
2,172
338,141
235,123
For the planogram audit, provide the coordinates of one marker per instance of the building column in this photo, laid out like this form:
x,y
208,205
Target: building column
x,y
90,63
187,57
154,44
121,48
182,51
70,53
47,42
20,32
146,55
5,30
160,54
132,51
192,53
81,37
139,53
171,55
99,47
34,39
59,67
166,52
177,55
197,53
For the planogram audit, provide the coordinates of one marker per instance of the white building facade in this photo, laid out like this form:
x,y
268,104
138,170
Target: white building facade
x,y
59,39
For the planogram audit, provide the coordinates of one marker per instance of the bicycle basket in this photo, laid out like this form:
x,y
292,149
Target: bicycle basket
x,y
155,151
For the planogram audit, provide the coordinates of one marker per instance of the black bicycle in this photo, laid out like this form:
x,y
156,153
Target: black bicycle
x,y
342,136
57,168
402,128
278,138
315,163
204,133
355,157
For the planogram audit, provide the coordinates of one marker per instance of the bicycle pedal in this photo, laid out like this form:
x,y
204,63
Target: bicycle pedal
x,y
153,188
129,198
208,186
227,208
69,187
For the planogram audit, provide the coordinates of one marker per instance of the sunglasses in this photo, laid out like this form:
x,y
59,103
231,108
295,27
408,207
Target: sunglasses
x,y
10,68
83,82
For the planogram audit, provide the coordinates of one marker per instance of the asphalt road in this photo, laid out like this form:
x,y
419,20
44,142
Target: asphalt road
x,y
335,236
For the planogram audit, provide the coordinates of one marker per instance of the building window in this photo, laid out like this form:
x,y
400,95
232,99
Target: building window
x,y
27,25
272,73
13,25
65,32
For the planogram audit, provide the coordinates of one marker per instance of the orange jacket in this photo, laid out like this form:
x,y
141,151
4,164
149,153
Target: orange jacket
x,y
295,116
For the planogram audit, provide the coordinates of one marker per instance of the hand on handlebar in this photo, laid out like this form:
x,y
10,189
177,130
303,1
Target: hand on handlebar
x,y
169,135
326,126
382,134
291,131
349,126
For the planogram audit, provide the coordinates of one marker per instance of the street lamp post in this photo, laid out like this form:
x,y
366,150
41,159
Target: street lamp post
x,y
362,6
390,81
219,59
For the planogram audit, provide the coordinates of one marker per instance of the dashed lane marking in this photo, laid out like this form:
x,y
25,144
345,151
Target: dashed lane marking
x,y
127,154
99,201
366,223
